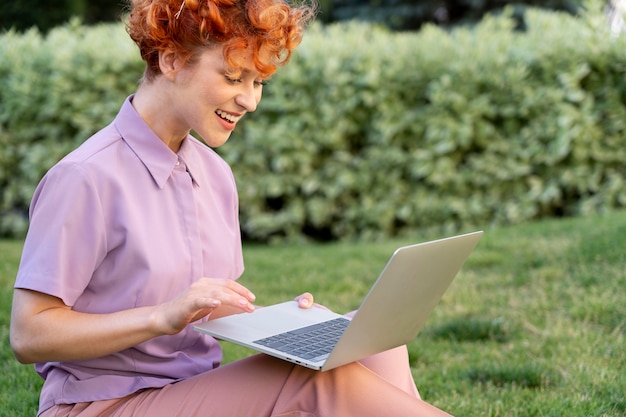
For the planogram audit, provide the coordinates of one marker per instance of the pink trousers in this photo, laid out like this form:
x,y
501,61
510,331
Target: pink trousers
x,y
380,385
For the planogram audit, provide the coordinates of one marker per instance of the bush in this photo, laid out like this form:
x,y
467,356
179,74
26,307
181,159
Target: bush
x,y
367,133
438,129
55,92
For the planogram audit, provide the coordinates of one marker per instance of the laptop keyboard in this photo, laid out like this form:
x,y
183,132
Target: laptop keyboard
x,y
308,342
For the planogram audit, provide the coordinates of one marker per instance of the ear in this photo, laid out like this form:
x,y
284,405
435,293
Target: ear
x,y
170,63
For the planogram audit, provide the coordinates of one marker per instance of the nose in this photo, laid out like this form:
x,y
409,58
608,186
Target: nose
x,y
249,97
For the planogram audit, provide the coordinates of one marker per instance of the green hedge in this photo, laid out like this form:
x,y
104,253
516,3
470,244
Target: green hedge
x,y
367,133
55,91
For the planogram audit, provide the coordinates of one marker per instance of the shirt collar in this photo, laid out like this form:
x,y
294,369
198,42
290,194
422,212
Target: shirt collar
x,y
158,159
189,156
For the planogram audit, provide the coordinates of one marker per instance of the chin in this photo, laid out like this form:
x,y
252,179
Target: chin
x,y
215,142
212,138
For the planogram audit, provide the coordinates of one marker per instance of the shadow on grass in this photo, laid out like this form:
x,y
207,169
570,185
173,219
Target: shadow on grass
x,y
472,329
528,376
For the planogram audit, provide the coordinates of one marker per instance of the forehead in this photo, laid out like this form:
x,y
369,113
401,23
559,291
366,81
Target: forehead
x,y
241,62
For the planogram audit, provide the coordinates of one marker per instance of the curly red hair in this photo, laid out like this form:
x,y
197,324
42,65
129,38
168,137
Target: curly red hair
x,y
266,30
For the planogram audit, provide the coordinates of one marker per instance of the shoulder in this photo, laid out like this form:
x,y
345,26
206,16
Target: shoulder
x,y
81,172
96,148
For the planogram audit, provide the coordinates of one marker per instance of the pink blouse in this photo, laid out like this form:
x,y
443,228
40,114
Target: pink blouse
x,y
124,222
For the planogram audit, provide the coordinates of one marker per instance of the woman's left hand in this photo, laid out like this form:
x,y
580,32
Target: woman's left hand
x,y
306,301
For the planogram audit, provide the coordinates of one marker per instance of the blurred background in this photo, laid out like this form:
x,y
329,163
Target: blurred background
x,y
478,112
395,14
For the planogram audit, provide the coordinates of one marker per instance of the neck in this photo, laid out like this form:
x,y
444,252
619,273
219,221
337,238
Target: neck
x,y
152,104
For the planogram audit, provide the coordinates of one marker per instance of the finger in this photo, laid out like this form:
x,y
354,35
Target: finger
x,y
305,300
206,303
206,311
236,288
239,296
321,306
225,291
237,300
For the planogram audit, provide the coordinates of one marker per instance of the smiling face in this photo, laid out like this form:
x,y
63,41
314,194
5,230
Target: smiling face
x,y
193,48
203,97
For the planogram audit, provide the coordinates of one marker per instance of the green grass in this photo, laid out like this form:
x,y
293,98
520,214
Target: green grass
x,y
534,325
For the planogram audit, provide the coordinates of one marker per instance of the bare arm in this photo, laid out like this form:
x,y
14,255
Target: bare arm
x,y
43,328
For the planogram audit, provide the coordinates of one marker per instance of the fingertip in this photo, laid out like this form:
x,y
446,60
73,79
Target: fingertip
x,y
245,305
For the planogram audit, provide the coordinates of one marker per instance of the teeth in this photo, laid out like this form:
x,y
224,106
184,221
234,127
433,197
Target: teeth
x,y
226,116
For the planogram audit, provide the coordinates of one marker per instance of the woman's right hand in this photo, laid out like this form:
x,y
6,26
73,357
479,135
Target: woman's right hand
x,y
207,296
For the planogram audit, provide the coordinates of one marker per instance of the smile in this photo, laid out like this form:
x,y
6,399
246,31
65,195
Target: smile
x,y
227,116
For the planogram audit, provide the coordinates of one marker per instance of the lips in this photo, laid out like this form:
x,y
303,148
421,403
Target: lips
x,y
230,118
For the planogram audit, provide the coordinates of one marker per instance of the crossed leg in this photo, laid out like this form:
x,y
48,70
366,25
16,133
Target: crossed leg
x,y
264,386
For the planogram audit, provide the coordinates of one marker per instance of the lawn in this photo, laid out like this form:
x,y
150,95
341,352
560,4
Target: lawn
x,y
534,325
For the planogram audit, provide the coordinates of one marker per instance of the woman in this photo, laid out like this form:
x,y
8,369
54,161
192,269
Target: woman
x,y
135,235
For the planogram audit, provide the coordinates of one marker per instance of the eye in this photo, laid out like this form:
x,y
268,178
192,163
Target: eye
x,y
232,80
260,83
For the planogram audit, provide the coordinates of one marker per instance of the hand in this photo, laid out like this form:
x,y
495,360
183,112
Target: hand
x,y
306,301
201,299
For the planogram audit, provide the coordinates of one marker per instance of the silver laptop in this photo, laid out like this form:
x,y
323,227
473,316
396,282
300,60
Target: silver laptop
x,y
392,314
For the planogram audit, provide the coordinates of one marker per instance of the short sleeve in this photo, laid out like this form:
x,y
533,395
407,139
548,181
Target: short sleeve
x,y
66,239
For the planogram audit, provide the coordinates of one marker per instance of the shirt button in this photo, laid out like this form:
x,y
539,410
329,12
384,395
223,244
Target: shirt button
x,y
177,163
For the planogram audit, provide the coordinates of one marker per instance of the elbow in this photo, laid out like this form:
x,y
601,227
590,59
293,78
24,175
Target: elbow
x,y
22,358
20,348
30,330
20,354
